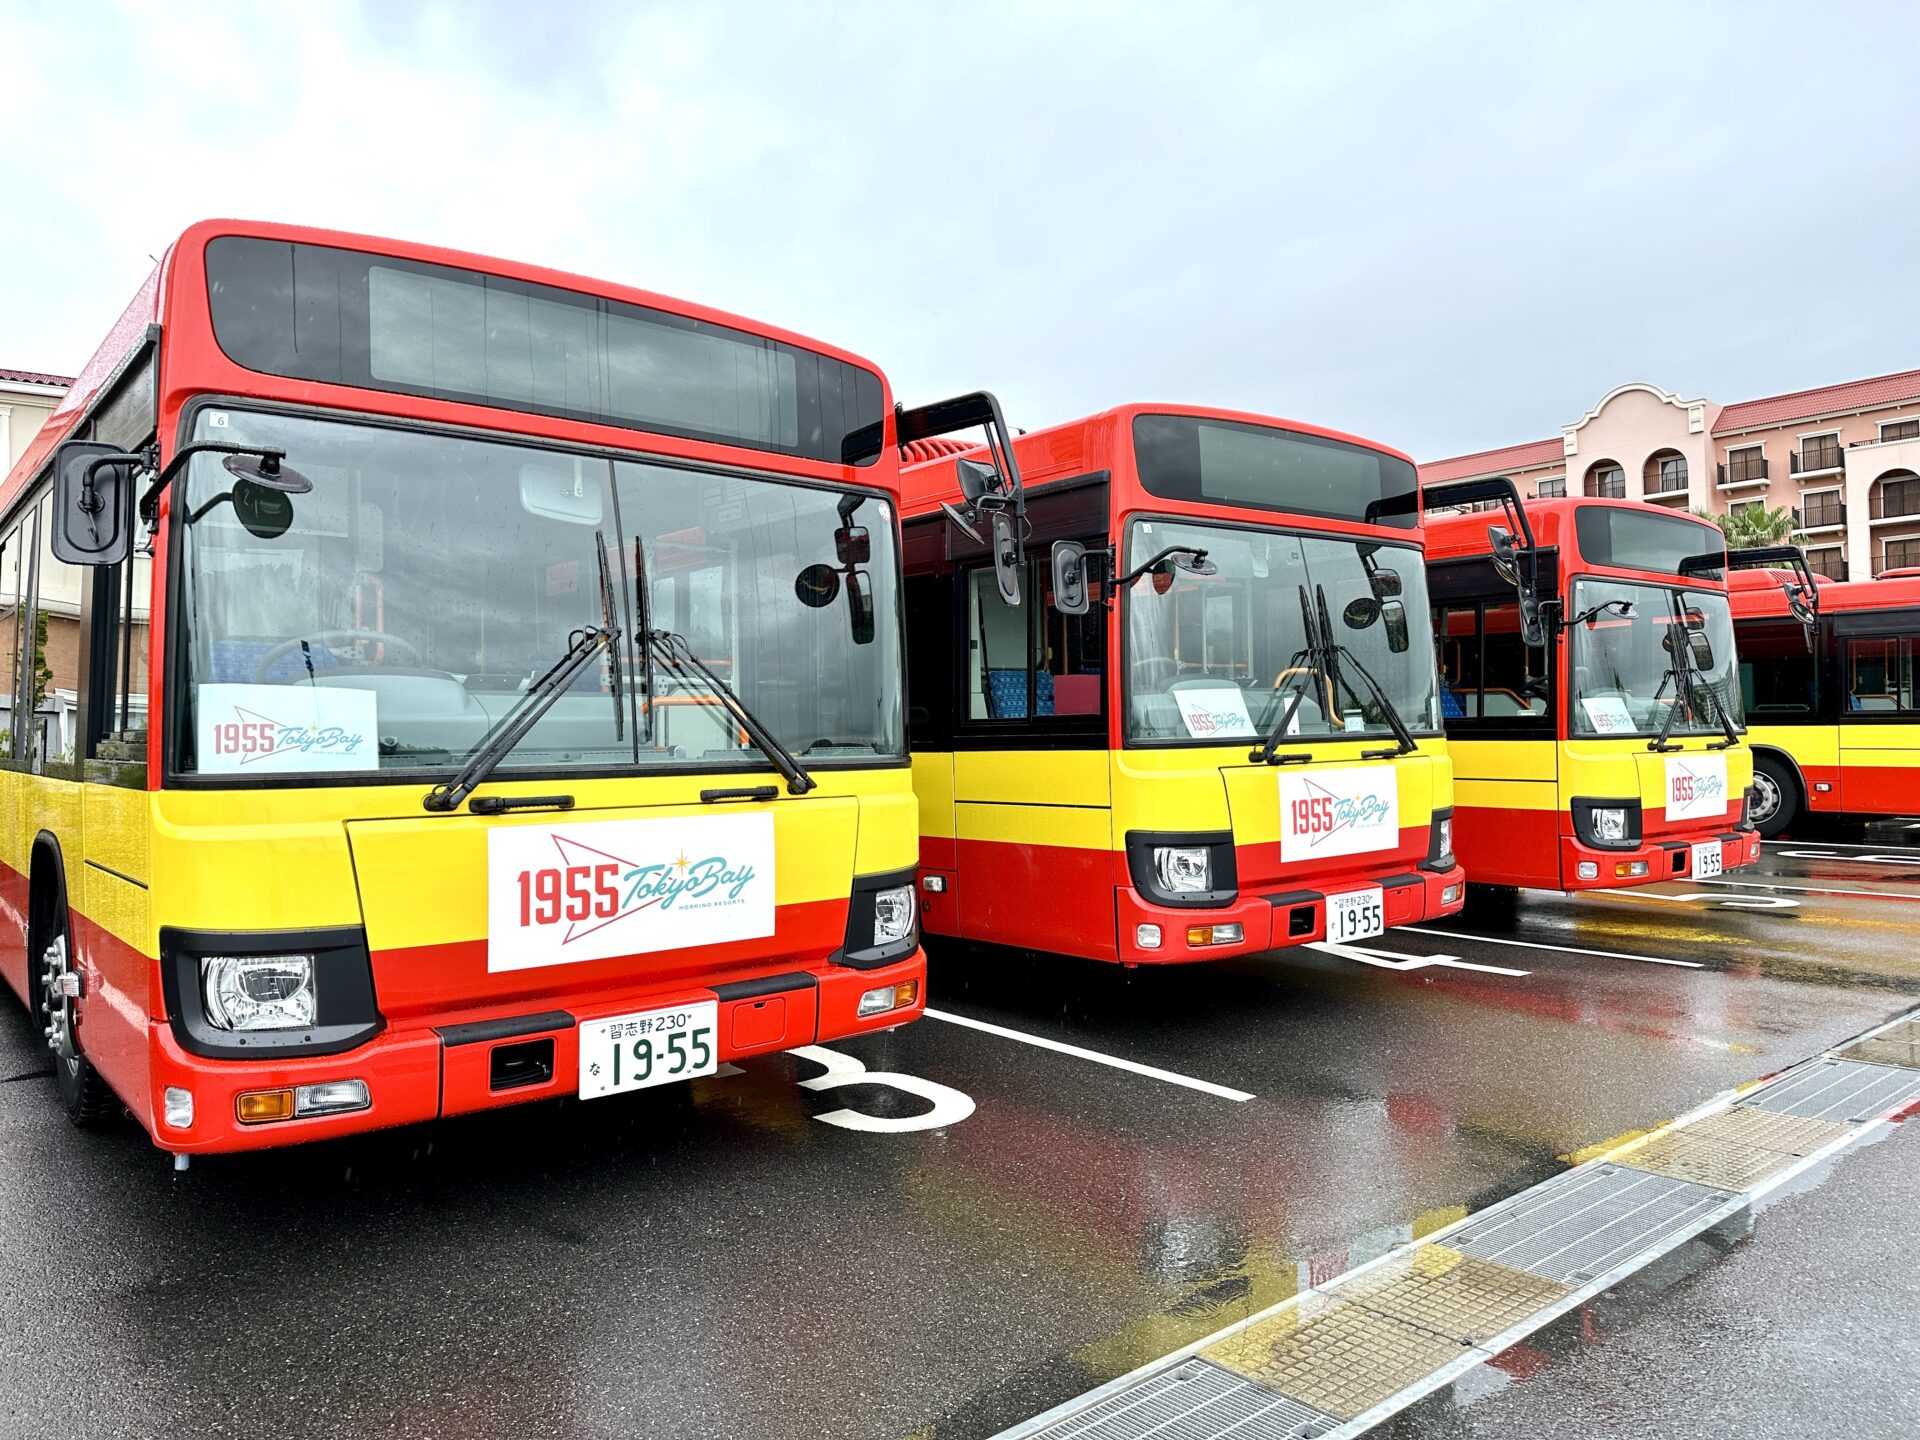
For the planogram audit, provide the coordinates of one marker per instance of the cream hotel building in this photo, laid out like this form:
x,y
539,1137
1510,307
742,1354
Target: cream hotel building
x,y
1845,459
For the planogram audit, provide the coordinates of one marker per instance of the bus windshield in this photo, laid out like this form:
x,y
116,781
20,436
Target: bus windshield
x,y
386,618
1629,670
1221,656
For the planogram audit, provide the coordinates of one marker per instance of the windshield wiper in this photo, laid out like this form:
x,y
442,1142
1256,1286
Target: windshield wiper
x,y
1681,672
1311,661
511,728
1406,744
675,651
614,678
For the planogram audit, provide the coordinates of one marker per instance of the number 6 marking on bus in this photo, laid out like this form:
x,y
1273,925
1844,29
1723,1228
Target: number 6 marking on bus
x,y
950,1106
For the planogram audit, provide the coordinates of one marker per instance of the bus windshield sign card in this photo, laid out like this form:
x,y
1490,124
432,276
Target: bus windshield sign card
x,y
1215,712
560,894
257,729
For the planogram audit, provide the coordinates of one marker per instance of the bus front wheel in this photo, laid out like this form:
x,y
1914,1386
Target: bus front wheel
x,y
83,1093
1776,795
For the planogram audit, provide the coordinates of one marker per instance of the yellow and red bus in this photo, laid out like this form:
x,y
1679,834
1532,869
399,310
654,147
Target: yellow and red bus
x,y
438,683
1831,709
1590,689
1181,703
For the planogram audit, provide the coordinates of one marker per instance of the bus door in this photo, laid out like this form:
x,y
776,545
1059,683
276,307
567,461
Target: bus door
x,y
1498,702
1880,712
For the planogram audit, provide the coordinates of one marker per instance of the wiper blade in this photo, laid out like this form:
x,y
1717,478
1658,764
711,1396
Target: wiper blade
x,y
675,651
510,729
1394,722
614,678
1309,661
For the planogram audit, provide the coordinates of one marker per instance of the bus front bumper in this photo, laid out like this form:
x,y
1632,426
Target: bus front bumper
x,y
1666,857
451,1063
1270,920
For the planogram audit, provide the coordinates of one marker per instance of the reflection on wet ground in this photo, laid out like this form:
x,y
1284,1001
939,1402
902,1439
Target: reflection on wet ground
x,y
712,1260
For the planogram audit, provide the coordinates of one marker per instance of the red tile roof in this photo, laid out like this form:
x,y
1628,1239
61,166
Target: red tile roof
x,y
34,377
1493,462
1826,400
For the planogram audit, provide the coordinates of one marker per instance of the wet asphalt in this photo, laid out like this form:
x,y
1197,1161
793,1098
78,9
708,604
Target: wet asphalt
x,y
719,1260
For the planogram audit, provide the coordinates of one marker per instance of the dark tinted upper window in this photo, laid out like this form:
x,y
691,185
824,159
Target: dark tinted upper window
x,y
347,317
1226,462
1639,540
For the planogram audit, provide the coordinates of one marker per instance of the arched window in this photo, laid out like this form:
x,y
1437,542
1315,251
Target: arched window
x,y
1606,480
1665,474
1896,493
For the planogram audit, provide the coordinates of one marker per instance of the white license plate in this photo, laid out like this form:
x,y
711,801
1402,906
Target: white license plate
x,y
654,1047
1706,859
1356,915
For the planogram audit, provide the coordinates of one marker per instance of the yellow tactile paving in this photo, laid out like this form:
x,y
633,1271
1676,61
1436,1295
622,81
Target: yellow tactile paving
x,y
1459,1296
1342,1358
1767,1130
1899,1045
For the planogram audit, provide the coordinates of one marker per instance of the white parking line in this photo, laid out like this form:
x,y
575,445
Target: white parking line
x,y
1542,945
1823,844
1206,1087
1813,889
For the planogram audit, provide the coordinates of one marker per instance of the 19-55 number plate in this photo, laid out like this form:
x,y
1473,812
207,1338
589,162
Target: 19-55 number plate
x,y
1357,915
654,1047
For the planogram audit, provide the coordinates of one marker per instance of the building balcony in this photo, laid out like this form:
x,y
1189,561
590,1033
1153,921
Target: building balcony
x,y
1901,517
1825,460
1745,474
1820,519
1661,494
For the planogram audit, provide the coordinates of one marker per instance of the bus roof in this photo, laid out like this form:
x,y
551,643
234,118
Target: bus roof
x,y
1089,444
1758,594
1457,533
176,291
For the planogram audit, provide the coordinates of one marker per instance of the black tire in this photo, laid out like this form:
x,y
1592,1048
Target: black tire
x,y
1491,902
86,1097
1776,801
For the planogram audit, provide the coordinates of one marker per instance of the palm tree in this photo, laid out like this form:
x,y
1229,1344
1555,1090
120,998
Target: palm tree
x,y
1754,525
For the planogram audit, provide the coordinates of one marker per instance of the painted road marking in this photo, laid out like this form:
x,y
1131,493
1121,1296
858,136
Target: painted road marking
x,y
1542,945
1871,858
1206,1087
950,1106
1738,902
1398,960
1815,890
1826,844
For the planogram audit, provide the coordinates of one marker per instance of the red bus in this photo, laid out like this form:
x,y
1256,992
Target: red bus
x,y
1589,684
1832,713
438,682
1172,689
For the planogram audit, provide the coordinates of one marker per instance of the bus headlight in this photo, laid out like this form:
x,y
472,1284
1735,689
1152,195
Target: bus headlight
x,y
258,992
1609,824
1183,869
893,912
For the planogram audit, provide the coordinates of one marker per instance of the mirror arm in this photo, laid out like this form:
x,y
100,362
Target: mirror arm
x,y
149,501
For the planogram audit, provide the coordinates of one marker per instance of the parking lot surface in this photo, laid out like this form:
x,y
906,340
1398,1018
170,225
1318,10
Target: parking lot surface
x,y
1064,1172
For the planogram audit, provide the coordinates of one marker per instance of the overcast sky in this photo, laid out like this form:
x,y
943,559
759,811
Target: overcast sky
x,y
1443,226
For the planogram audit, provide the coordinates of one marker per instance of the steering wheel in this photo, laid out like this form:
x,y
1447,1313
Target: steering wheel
x,y
1154,673
1280,680
331,637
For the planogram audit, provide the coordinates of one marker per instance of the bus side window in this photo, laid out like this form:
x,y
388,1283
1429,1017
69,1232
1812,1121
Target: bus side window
x,y
1779,676
999,647
1513,674
10,622
1880,674
1030,662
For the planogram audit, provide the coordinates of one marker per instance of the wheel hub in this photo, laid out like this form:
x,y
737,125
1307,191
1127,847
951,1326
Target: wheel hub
x,y
59,988
1766,796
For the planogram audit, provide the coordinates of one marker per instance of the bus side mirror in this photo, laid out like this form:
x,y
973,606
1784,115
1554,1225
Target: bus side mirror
x,y
976,479
860,606
1702,649
1394,615
1006,558
853,544
92,502
1506,564
1070,577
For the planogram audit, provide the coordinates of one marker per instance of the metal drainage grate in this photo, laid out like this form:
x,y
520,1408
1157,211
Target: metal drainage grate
x,y
1842,1090
1896,1045
1578,1226
1196,1401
